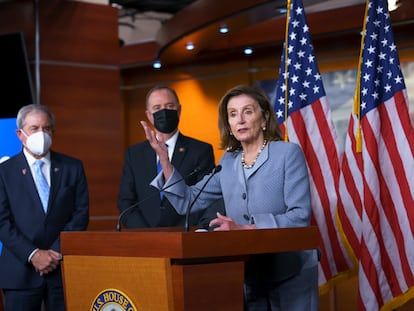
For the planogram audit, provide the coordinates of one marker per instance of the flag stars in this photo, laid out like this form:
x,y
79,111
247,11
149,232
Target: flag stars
x,y
380,10
382,55
363,105
295,24
366,77
303,97
375,95
398,79
368,63
387,88
311,58
371,50
305,28
364,91
304,83
279,114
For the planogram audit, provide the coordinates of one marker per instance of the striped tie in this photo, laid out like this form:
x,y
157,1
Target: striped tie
x,y
41,183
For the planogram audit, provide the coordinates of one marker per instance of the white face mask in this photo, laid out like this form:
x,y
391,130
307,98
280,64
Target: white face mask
x,y
38,143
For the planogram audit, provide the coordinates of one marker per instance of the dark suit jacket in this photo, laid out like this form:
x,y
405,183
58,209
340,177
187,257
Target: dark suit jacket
x,y
24,226
140,169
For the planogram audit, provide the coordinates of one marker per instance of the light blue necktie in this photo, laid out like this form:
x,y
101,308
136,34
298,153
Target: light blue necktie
x,y
41,183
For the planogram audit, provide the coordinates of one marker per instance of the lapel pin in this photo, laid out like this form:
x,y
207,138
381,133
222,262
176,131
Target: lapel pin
x,y
24,171
181,149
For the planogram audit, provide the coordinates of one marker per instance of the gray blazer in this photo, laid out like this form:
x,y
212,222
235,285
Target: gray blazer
x,y
274,193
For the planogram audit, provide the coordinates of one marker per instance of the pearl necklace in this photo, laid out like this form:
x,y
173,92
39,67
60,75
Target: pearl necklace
x,y
257,156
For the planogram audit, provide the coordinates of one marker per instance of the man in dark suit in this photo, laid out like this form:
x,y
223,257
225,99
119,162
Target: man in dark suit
x,y
35,206
187,154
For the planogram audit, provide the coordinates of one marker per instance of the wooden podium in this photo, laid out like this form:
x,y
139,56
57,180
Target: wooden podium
x,y
166,269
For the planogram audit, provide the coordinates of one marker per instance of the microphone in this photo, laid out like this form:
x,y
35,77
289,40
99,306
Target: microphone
x,y
118,224
187,215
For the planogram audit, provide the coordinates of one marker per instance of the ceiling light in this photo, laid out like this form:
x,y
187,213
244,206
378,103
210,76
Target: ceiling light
x,y
393,5
248,51
189,46
156,64
224,29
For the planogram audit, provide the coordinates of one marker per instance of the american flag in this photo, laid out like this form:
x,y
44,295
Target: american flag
x,y
304,114
377,184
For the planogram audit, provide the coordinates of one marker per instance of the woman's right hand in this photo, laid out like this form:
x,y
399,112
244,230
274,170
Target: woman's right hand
x,y
160,148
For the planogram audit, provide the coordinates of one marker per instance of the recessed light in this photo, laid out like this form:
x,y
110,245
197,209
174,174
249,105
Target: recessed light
x,y
189,46
224,29
156,64
393,5
248,51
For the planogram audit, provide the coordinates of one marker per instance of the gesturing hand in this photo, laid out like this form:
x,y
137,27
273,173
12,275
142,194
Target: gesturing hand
x,y
160,148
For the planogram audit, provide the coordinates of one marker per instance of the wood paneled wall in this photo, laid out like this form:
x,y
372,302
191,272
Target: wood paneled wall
x,y
79,81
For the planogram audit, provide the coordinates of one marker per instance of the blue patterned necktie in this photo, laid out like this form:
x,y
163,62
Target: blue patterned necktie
x,y
41,183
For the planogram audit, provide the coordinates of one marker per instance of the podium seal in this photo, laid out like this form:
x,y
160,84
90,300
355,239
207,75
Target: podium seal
x,y
112,300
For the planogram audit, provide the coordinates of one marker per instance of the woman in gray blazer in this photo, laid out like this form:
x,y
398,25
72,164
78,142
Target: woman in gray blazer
x,y
264,183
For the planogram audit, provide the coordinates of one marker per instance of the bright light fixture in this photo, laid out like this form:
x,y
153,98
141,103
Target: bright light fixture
x,y
156,64
189,46
248,51
393,5
224,29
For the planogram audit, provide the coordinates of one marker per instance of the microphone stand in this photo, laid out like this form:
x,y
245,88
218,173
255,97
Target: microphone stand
x,y
187,215
118,224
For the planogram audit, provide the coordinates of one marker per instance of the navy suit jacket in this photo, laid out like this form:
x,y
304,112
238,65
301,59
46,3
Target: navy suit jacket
x,y
24,226
140,169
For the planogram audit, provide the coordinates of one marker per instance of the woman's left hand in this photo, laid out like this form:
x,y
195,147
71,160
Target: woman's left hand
x,y
224,223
